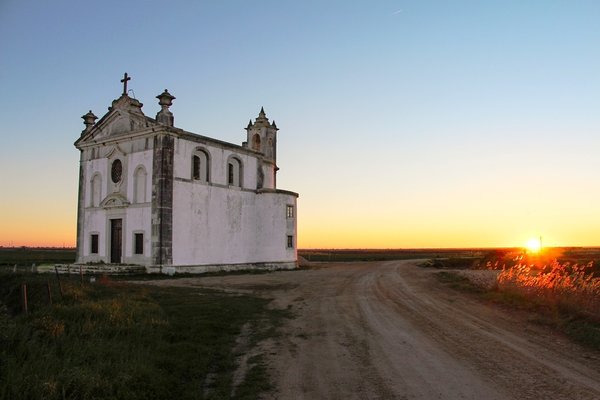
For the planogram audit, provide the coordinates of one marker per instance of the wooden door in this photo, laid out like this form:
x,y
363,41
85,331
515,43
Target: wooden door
x,y
116,240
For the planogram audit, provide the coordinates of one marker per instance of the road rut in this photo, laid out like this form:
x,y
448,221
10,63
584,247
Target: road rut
x,y
390,330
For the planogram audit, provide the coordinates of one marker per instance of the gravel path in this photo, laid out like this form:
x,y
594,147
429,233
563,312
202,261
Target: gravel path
x,y
389,330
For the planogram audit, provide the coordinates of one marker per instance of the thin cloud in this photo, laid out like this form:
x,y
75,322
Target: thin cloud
x,y
396,12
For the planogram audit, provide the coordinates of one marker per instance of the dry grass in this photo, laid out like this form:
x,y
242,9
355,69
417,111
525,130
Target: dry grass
x,y
113,340
566,287
562,295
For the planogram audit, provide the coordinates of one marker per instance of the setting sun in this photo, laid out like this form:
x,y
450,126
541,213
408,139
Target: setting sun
x,y
534,245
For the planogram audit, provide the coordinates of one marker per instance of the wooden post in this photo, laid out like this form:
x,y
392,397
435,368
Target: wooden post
x,y
59,282
80,275
24,297
49,292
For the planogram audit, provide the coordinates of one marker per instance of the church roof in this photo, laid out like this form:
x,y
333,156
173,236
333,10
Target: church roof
x,y
125,117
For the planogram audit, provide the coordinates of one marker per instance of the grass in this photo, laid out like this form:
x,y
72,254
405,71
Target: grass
x,y
25,256
114,340
570,289
563,297
350,255
452,262
458,282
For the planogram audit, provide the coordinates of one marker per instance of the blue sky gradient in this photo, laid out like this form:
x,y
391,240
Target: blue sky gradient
x,y
403,123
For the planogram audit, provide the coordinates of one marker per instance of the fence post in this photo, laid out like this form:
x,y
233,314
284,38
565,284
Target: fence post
x,y
59,282
49,291
24,297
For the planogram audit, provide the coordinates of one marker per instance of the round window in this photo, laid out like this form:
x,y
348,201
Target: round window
x,y
116,171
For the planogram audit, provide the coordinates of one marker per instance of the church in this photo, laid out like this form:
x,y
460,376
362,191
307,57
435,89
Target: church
x,y
157,196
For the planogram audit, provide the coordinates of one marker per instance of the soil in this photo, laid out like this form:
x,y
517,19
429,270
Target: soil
x,y
390,330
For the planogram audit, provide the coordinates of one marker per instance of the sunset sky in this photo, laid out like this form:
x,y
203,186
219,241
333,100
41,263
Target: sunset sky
x,y
402,123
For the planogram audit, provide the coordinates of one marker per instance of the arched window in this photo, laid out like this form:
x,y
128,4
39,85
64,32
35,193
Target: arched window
x,y
95,190
234,172
139,185
256,142
195,167
201,166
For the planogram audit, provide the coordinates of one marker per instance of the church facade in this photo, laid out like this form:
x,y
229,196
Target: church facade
x,y
154,195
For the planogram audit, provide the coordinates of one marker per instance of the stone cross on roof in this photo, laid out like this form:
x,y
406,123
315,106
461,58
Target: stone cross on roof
x,y
124,81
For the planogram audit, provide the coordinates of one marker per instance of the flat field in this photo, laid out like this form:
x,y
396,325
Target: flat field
x,y
26,256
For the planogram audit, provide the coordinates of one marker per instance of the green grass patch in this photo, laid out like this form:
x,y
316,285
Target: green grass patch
x,y
181,275
115,340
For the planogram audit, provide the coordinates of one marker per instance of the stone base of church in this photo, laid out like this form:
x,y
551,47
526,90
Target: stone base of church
x,y
125,269
95,269
201,269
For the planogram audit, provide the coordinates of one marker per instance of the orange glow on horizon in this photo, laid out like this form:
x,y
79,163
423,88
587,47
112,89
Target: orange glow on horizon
x,y
53,233
534,245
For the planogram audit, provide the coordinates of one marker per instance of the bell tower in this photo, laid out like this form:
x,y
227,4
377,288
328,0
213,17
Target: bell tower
x,y
262,137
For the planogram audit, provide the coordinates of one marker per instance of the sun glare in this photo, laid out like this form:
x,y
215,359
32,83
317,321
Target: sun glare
x,y
534,245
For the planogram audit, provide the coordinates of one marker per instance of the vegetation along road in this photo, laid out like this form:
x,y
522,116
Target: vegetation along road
x,y
390,330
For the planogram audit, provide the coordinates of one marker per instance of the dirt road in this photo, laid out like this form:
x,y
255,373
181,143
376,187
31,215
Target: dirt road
x,y
389,330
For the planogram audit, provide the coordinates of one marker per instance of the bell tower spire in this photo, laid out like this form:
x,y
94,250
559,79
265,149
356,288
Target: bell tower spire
x,y
262,138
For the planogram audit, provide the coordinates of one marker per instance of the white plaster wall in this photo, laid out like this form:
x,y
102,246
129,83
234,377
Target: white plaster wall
x,y
136,217
90,169
212,223
274,226
94,217
134,160
94,222
268,175
216,225
219,155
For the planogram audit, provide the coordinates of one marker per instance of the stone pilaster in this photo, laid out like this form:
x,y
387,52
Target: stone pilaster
x,y
80,240
162,200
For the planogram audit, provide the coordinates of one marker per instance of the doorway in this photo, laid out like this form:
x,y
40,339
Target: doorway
x,y
116,240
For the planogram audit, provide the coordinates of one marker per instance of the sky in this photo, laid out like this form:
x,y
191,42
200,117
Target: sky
x,y
403,124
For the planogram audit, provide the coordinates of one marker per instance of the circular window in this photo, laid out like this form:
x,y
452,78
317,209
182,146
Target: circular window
x,y
116,171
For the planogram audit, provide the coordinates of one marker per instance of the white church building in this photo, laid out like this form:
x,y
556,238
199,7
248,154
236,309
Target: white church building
x,y
157,196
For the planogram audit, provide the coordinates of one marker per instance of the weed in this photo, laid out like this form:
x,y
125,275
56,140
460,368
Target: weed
x,y
568,288
116,340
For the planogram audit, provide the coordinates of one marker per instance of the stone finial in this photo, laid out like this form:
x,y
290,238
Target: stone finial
x,y
249,125
274,126
262,120
165,98
89,120
164,116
